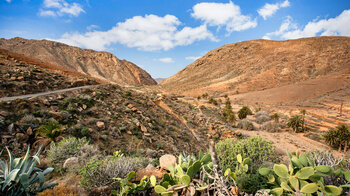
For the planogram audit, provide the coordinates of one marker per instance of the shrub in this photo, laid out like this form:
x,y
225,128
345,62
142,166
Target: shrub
x,y
29,119
255,148
271,126
338,138
244,112
246,125
71,104
260,113
97,173
227,113
275,117
213,101
65,149
296,123
20,176
52,129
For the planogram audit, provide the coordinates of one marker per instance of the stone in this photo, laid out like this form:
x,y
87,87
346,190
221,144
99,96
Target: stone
x,y
20,78
29,131
22,137
143,128
150,167
10,127
167,160
104,137
70,162
13,78
40,84
100,125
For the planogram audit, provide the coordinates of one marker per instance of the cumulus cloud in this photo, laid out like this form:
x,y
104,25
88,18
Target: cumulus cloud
x,y
166,60
148,33
192,58
337,26
223,14
270,9
92,27
60,8
8,1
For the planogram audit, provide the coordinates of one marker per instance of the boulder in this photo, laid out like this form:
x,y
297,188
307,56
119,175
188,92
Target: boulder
x,y
100,124
167,160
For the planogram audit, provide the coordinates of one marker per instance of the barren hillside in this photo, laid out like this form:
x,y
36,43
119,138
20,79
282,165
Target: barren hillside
x,y
102,65
258,65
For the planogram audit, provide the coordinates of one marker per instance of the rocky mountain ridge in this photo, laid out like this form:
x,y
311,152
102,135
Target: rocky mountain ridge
x,y
101,65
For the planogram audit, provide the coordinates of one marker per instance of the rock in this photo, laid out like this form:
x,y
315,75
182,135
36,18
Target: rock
x,y
10,127
143,128
70,162
29,131
13,78
167,160
20,78
22,137
130,106
150,167
133,109
104,137
100,125
56,115
40,84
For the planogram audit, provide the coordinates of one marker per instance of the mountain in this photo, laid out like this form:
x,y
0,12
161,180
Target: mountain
x,y
158,80
101,65
303,67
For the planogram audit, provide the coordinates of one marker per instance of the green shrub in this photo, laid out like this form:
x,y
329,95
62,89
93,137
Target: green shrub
x,y
338,138
65,149
97,173
262,116
296,123
255,148
29,119
71,104
52,129
20,176
244,112
213,101
246,125
227,113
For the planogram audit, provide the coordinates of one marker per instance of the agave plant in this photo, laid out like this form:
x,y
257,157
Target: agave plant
x,y
20,176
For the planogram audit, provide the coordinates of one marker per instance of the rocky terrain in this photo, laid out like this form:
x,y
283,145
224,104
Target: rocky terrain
x,y
101,65
258,65
20,76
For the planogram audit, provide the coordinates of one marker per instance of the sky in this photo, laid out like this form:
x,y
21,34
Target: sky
x,y
164,36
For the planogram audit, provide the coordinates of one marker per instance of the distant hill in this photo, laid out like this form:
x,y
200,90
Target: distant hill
x,y
158,80
292,69
101,65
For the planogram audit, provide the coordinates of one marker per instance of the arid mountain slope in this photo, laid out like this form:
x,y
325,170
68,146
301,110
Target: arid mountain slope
x,y
102,65
263,64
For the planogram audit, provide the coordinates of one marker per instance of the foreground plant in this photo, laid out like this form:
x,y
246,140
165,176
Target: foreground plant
x,y
20,176
303,177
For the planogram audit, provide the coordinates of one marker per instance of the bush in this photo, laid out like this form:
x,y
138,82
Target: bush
x,y
255,148
244,112
213,101
271,126
52,129
227,113
260,113
338,138
296,123
97,173
246,125
65,149
29,119
71,104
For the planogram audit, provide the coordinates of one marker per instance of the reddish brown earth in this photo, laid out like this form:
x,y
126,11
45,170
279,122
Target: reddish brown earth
x,y
101,65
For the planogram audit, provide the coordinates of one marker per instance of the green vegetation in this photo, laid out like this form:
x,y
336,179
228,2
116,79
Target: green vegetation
x,y
302,177
246,125
296,123
213,101
255,148
20,177
228,114
339,137
127,187
244,112
52,129
275,117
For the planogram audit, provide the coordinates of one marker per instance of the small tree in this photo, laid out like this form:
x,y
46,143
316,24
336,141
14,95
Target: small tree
x,y
295,122
228,114
244,112
338,138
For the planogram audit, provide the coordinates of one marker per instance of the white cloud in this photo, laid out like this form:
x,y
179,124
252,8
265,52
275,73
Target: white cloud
x,y
60,8
192,58
8,1
223,14
270,9
166,60
147,33
92,27
338,26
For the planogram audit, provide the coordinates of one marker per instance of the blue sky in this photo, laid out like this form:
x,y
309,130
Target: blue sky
x,y
164,36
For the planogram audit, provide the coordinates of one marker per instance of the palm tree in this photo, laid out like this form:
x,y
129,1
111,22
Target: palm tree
x,y
338,138
295,122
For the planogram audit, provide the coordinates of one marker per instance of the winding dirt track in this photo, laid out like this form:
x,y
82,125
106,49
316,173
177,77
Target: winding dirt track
x,y
45,93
